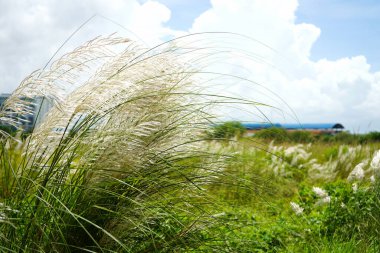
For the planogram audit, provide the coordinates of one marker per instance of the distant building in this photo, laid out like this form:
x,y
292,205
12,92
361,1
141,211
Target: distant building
x,y
42,107
39,106
3,97
317,128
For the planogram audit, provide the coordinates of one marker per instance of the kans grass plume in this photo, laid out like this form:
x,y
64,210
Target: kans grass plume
x,y
119,161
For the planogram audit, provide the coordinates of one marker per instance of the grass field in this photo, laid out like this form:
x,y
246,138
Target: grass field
x,y
124,162
258,197
301,197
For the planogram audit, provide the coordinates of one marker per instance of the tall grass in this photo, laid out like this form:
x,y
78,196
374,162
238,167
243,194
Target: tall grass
x,y
125,162
120,162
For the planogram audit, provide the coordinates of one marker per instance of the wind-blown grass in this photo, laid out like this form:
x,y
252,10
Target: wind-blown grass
x,y
124,162
119,164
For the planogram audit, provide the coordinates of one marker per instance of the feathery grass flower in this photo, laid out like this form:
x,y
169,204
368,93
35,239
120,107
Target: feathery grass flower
x,y
297,209
357,173
326,200
320,192
120,161
354,187
375,163
323,195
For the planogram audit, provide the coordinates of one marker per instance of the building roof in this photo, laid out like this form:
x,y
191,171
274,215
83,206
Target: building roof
x,y
313,126
309,126
255,126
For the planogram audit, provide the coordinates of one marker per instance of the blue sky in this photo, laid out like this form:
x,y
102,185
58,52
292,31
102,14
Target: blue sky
x,y
185,11
348,27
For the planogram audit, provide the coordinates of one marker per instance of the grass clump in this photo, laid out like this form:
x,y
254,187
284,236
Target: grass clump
x,y
119,164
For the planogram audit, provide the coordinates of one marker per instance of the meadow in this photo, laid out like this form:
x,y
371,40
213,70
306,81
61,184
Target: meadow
x,y
297,197
127,161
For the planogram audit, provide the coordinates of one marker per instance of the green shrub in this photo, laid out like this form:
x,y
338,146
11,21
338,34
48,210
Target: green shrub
x,y
228,130
301,136
374,136
370,137
346,138
325,138
352,213
273,133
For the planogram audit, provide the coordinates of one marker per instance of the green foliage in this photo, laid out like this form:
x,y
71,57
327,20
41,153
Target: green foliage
x,y
331,152
345,137
324,245
301,136
228,130
370,137
347,223
8,129
273,133
352,213
121,165
324,225
281,135
135,173
349,138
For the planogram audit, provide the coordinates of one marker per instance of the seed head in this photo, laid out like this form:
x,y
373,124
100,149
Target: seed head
x,y
296,208
320,192
357,173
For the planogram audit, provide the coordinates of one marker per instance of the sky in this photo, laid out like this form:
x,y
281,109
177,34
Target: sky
x,y
332,67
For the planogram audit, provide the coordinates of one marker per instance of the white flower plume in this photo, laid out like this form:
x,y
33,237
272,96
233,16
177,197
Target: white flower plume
x,y
298,210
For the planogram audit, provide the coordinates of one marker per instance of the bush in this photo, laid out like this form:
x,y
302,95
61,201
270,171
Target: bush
x,y
352,214
301,136
326,138
347,138
273,133
228,130
370,137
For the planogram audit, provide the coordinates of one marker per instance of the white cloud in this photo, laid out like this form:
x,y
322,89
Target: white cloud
x,y
31,31
343,90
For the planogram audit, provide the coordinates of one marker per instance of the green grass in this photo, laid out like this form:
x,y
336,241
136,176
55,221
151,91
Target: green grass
x,y
124,163
261,199
120,164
